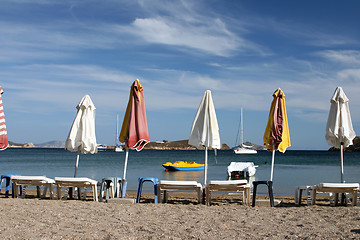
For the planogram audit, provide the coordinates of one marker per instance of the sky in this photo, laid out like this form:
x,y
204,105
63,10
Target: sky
x,y
52,53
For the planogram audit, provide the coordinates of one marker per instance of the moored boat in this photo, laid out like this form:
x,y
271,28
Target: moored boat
x,y
101,147
118,149
183,166
244,149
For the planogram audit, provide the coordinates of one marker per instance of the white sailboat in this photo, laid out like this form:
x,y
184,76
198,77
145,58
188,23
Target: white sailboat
x,y
242,148
117,148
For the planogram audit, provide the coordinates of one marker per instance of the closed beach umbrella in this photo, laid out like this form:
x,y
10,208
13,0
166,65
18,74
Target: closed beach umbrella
x,y
339,129
277,136
3,133
82,137
134,131
205,129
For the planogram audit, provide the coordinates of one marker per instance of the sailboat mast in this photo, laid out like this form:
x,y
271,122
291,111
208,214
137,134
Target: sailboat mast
x,y
241,127
117,129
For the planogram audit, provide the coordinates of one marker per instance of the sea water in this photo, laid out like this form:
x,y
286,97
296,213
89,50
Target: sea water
x,y
292,169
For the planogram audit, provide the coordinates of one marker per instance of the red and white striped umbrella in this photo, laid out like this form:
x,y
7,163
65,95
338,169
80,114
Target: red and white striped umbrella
x,y
3,133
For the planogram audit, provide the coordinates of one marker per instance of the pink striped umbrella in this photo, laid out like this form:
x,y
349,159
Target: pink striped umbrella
x,y
3,133
134,131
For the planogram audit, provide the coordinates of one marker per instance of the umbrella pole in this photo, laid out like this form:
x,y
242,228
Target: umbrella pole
x,y
77,163
342,162
124,183
205,174
206,164
272,163
75,173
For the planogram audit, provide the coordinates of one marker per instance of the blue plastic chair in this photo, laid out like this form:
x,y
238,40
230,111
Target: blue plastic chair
x,y
7,178
155,181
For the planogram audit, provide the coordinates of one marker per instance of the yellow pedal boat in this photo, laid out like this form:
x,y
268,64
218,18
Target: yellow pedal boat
x,y
183,166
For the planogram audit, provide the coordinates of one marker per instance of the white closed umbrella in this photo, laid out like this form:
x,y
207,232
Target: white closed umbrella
x,y
205,128
82,138
339,129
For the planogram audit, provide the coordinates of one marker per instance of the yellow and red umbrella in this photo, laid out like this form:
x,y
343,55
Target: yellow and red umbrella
x,y
3,133
134,131
277,136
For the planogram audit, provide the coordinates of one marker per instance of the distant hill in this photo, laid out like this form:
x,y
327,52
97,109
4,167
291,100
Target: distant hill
x,y
175,145
163,145
51,144
352,148
21,145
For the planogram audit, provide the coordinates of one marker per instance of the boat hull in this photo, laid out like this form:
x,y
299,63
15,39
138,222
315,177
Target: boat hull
x,y
183,166
118,149
172,168
245,151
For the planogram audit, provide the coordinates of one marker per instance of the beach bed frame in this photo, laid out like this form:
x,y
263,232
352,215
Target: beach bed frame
x,y
164,186
336,188
79,183
37,181
229,186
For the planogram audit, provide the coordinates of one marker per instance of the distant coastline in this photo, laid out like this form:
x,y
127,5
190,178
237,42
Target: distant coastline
x,y
158,145
166,145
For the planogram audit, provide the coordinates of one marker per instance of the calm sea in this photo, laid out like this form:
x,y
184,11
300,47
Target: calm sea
x,y
292,169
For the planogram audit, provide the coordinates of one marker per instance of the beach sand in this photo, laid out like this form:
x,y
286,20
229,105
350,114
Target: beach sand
x,y
180,218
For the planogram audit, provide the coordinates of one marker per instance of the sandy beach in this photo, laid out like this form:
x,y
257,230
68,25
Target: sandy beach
x,y
180,218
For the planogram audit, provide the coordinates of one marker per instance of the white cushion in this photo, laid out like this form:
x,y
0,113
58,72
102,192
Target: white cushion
x,y
229,182
338,185
77,180
33,178
166,182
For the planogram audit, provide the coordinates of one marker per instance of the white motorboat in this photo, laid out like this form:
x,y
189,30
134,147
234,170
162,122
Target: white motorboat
x,y
101,147
118,149
241,169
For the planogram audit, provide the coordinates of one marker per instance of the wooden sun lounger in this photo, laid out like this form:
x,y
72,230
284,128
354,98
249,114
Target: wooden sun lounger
x,y
336,188
165,185
231,186
37,181
76,182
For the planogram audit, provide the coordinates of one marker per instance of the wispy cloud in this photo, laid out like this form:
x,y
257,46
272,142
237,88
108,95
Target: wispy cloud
x,y
211,37
184,24
341,56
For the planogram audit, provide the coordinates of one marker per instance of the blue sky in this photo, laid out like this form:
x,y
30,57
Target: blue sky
x,y
52,53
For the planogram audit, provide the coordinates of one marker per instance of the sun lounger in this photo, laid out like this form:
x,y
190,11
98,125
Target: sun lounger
x,y
231,186
76,182
165,185
37,181
336,188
